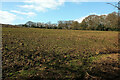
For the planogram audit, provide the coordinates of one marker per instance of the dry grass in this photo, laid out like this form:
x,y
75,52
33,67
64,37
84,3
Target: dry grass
x,y
31,53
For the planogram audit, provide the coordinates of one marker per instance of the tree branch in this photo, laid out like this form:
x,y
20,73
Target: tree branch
x,y
114,5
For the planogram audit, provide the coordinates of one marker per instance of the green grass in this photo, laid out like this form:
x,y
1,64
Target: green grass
x,y
32,53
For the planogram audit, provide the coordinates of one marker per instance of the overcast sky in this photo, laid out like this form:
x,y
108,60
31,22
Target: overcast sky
x,y
16,12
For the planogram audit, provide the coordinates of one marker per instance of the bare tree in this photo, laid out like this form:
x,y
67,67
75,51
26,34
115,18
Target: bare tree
x,y
115,5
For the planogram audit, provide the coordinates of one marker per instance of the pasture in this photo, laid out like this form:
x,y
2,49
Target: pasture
x,y
34,54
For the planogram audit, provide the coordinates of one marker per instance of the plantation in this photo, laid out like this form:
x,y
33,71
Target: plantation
x,y
34,54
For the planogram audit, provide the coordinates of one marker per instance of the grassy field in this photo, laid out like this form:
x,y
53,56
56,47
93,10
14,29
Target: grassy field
x,y
34,54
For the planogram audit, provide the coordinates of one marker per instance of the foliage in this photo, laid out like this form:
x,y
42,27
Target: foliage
x,y
92,22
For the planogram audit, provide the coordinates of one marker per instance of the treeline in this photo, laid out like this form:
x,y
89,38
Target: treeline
x,y
8,25
92,22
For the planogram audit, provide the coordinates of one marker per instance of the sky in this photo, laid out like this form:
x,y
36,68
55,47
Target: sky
x,y
19,12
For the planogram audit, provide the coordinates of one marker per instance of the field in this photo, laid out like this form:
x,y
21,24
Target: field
x,y
34,54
